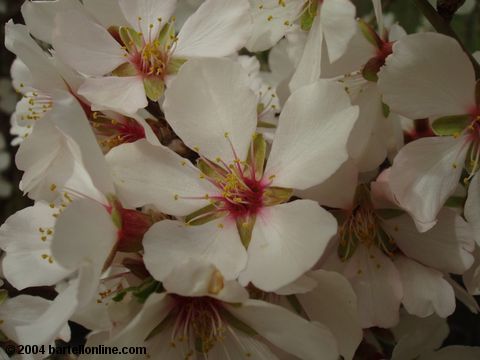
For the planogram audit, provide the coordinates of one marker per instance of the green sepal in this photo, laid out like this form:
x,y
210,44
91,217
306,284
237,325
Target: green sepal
x,y
154,87
245,226
130,38
147,289
347,247
210,169
115,213
236,323
370,34
120,296
166,36
450,125
3,295
371,69
388,214
264,124
203,215
259,150
124,70
174,65
260,108
308,17
386,242
385,110
276,195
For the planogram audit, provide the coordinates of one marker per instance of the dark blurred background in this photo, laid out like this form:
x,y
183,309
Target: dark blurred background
x,y
465,326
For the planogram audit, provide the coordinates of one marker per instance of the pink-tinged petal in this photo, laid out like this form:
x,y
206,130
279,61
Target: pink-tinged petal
x,y
124,94
208,35
147,174
425,173
22,78
338,190
40,15
40,65
107,12
417,81
212,109
26,238
148,16
425,291
286,330
447,246
339,26
472,206
85,45
169,243
310,141
333,303
287,240
271,22
378,286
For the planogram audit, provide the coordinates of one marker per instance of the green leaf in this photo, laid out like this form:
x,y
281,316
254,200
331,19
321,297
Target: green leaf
x,y
154,87
130,38
450,125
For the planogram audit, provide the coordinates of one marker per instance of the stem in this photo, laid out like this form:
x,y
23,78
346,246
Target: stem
x,y
443,27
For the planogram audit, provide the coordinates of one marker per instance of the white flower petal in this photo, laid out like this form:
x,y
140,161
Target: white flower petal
x,y
144,15
472,206
40,15
334,304
286,330
84,234
269,22
339,26
378,286
309,67
417,81
209,101
425,173
310,141
169,243
107,12
287,240
425,291
447,246
85,45
44,75
338,190
26,238
217,28
147,174
123,94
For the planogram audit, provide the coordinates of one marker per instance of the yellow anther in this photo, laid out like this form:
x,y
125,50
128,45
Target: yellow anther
x,y
53,187
175,196
226,135
270,18
43,238
52,205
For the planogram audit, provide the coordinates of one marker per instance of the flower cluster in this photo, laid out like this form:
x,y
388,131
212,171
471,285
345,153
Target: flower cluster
x,y
196,201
